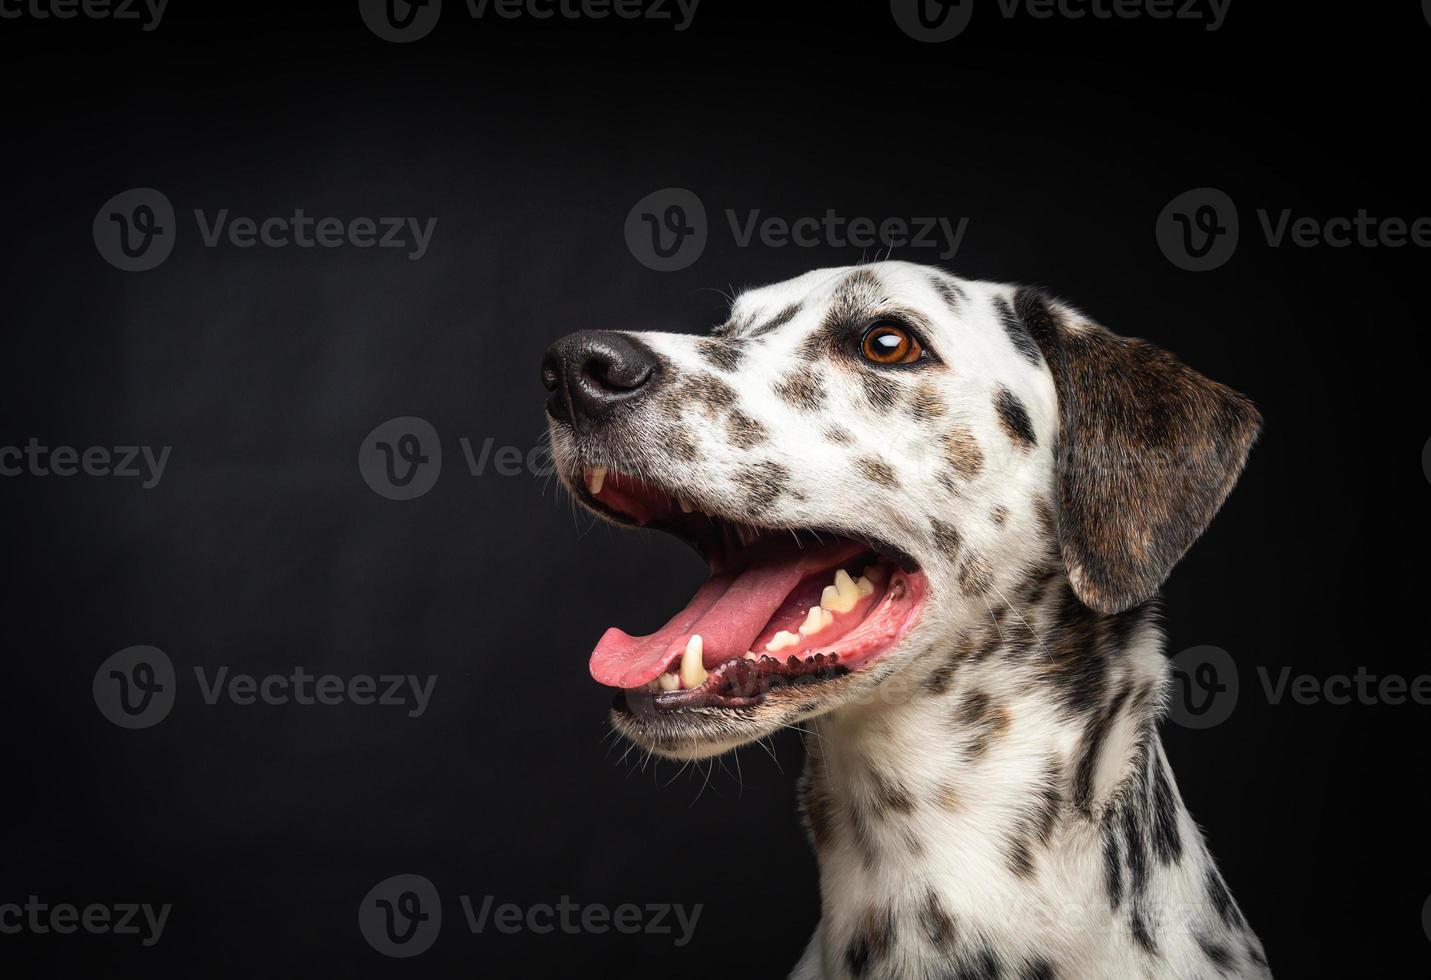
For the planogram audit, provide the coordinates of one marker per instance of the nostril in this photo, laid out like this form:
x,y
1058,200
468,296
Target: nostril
x,y
616,374
551,376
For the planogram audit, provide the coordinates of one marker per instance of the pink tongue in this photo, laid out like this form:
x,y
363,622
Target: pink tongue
x,y
728,612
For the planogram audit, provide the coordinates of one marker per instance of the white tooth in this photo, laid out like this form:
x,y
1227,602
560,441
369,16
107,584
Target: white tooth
x,y
865,586
693,671
781,641
595,478
875,573
669,682
842,596
686,506
751,655
816,620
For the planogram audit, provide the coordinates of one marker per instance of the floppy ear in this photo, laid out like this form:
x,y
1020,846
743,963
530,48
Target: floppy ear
x,y
1148,450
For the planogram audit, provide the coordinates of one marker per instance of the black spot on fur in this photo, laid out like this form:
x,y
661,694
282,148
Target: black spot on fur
x,y
1039,969
762,485
724,354
1219,955
889,796
1112,868
925,405
999,515
838,436
975,576
777,321
802,390
1221,899
707,391
1015,419
744,431
948,291
871,941
1095,733
1035,828
982,721
1017,330
1078,674
979,964
1167,840
962,451
946,536
1142,935
937,923
881,390
877,471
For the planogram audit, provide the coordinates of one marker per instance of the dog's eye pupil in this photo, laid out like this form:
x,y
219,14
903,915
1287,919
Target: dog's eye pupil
x,y
889,343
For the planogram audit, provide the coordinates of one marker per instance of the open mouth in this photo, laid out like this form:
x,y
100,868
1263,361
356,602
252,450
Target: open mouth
x,y
783,607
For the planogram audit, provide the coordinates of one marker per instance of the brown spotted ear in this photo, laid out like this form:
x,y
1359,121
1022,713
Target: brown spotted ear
x,y
1148,450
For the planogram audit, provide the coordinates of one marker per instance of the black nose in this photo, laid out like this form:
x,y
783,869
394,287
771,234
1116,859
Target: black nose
x,y
590,372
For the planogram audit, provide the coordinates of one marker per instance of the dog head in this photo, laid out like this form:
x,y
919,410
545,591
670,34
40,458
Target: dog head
x,y
867,457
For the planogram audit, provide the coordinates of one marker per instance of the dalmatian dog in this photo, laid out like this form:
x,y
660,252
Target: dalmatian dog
x,y
936,514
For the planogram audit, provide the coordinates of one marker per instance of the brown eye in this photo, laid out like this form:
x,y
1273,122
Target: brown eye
x,y
890,343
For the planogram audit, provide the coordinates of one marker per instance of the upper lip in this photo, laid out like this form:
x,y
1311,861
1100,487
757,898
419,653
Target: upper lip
x,y
717,541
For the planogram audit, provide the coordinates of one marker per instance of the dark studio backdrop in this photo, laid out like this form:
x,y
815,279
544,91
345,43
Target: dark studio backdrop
x,y
263,546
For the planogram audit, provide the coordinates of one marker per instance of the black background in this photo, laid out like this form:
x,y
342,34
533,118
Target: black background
x,y
262,548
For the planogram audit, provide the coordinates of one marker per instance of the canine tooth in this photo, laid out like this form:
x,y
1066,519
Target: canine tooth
x,y
781,640
693,671
669,682
595,479
816,620
865,586
686,505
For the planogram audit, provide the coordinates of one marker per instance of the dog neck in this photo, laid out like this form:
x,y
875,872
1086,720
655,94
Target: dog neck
x,y
1011,811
